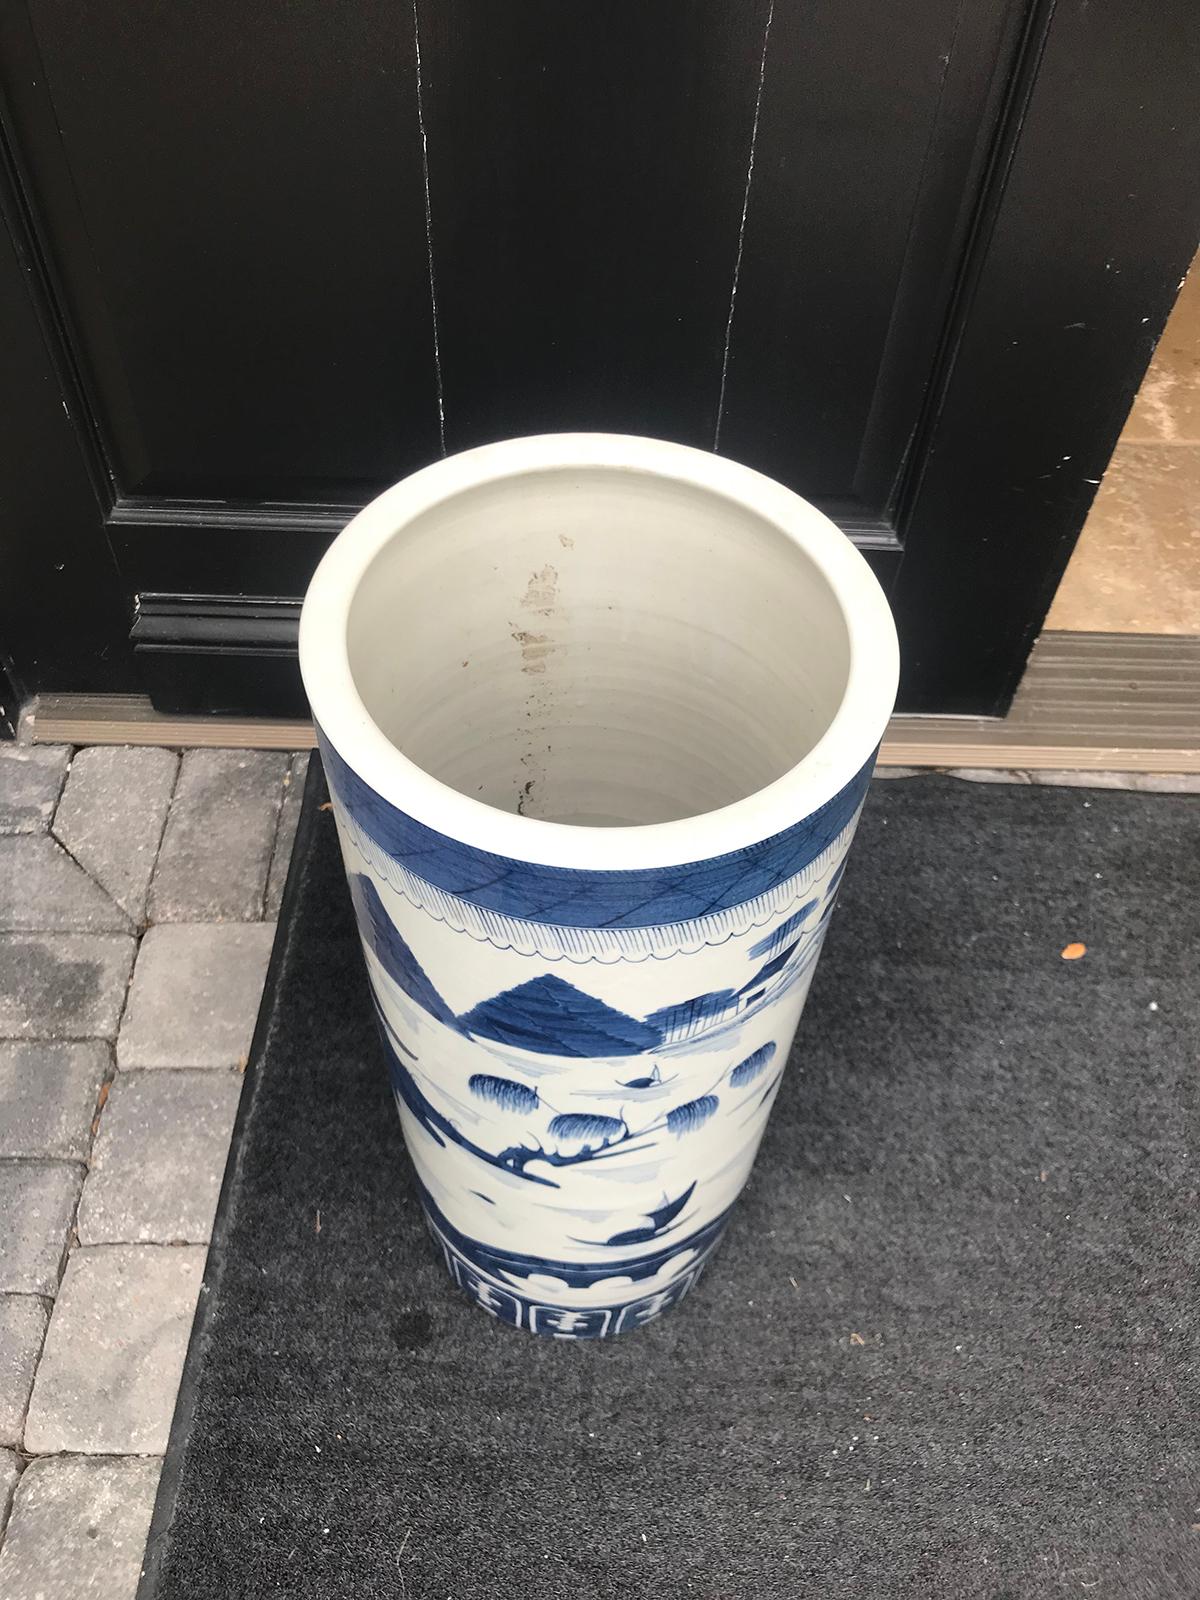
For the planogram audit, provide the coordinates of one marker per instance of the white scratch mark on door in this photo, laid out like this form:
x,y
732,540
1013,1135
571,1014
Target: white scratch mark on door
x,y
737,264
433,305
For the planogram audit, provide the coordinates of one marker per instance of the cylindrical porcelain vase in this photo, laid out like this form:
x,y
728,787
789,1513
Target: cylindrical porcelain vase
x,y
598,715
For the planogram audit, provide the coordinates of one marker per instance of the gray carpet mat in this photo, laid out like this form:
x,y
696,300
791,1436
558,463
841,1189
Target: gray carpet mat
x,y
948,1347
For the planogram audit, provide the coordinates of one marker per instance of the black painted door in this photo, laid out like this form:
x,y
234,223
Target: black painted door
x,y
265,259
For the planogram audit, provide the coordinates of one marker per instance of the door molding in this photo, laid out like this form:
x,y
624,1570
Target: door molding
x,y
237,655
196,653
178,637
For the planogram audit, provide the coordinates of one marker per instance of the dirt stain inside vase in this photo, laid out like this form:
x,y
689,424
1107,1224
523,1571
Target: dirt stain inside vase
x,y
537,648
542,594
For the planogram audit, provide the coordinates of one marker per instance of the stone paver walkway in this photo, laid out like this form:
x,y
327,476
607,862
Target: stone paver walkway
x,y
138,892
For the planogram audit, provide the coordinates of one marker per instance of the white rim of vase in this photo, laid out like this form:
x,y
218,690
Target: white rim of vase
x,y
847,743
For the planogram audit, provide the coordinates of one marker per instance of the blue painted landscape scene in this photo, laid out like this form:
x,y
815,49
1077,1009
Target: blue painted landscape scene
x,y
582,1105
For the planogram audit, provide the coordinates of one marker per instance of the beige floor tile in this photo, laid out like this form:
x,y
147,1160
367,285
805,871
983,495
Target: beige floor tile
x,y
1136,568
1167,408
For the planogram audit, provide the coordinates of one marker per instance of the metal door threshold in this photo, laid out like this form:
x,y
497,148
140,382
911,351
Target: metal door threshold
x,y
1117,702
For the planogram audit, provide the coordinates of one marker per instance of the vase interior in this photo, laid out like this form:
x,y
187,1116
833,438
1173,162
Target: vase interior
x,y
598,646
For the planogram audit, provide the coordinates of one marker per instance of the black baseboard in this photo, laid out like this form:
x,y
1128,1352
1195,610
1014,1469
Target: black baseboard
x,y
236,654
220,655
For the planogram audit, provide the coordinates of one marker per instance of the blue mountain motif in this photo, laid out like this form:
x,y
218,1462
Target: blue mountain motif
x,y
691,1016
552,1017
776,940
700,1008
392,953
765,973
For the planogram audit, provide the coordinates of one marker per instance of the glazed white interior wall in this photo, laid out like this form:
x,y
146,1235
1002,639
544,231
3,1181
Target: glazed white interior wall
x,y
598,647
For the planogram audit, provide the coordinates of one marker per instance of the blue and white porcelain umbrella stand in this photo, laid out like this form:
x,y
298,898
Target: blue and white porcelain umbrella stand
x,y
598,715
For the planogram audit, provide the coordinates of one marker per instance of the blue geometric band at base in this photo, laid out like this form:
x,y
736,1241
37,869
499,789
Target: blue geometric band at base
x,y
498,1298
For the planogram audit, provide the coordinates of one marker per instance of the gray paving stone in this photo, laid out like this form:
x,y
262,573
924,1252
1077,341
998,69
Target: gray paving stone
x,y
195,995
43,891
78,1529
285,837
31,780
212,866
112,814
159,1158
110,1370
10,1471
48,1097
22,1329
63,985
37,1203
